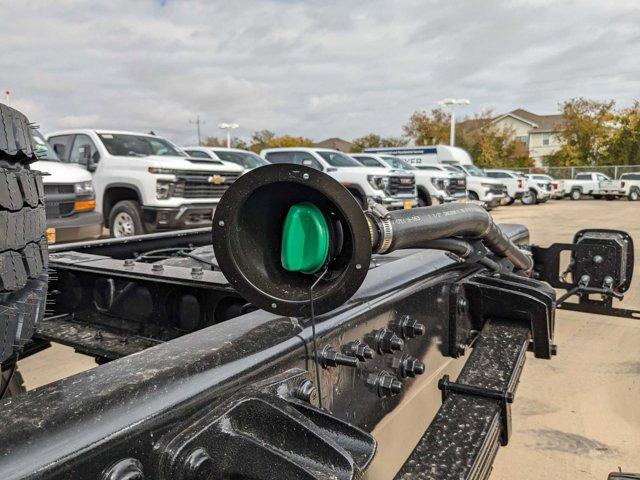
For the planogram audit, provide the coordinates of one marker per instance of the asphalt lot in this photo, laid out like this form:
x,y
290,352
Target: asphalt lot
x,y
575,416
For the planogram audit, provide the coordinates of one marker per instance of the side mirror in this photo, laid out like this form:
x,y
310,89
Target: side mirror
x,y
60,149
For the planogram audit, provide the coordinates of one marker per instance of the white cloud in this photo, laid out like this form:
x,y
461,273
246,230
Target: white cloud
x,y
312,68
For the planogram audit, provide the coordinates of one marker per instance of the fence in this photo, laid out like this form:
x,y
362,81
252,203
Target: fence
x,y
612,171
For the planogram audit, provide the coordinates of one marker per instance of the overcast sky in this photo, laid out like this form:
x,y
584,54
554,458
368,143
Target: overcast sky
x,y
313,68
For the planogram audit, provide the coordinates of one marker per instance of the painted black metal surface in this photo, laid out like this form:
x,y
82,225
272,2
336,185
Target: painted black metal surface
x,y
464,437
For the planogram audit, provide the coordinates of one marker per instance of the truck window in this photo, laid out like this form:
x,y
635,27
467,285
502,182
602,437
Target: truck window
x,y
429,167
368,161
630,176
337,159
601,178
244,159
280,157
61,144
125,145
498,175
305,158
198,154
395,162
80,146
583,176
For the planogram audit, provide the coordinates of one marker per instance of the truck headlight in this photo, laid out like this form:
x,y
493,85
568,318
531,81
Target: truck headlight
x,y
440,183
379,182
84,189
164,189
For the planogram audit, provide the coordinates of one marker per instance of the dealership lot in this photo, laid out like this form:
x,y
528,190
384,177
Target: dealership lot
x,y
576,416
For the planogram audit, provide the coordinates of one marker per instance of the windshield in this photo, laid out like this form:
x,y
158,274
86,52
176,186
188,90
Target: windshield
x,y
337,159
455,169
395,162
246,160
44,151
123,145
474,171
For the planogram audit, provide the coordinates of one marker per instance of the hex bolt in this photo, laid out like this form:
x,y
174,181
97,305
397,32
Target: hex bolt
x,y
305,176
598,259
198,465
197,271
157,267
406,327
330,358
221,223
384,384
585,279
608,280
306,391
407,366
387,342
129,262
358,349
125,469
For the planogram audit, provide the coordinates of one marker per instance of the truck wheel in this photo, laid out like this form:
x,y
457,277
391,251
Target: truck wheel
x,y
597,197
424,199
125,219
575,194
634,195
473,196
23,243
610,197
530,198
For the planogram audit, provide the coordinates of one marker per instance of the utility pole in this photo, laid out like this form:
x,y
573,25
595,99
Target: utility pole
x,y
452,103
197,123
7,94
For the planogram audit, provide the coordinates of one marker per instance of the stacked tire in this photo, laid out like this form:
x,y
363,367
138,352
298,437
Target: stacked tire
x,y
23,242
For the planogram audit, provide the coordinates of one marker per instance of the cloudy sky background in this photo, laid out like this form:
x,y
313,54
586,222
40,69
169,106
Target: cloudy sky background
x,y
313,68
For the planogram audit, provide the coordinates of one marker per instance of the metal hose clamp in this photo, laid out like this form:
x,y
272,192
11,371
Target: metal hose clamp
x,y
384,223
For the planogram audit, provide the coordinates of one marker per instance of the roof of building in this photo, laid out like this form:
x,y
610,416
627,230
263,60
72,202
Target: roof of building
x,y
541,123
335,143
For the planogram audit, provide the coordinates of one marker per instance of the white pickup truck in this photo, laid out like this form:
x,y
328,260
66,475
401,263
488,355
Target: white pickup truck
x,y
594,184
490,191
386,187
628,186
247,160
432,185
516,186
144,182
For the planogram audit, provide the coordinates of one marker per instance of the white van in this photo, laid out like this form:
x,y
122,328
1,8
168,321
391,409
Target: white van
x,y
70,201
429,155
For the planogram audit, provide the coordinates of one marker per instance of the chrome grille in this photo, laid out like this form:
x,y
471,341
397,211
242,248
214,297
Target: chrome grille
x,y
59,200
401,185
457,185
201,184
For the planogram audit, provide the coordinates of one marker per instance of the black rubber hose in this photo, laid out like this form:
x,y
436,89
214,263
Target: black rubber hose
x,y
413,228
460,248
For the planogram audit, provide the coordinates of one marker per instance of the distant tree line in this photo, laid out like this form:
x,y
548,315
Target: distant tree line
x,y
592,133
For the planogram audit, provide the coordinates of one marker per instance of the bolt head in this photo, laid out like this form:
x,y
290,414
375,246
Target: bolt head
x,y
221,223
273,305
198,465
305,176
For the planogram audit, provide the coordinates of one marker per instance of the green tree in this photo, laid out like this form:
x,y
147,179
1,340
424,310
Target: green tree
x,y
623,145
428,128
260,139
376,141
222,142
585,132
288,141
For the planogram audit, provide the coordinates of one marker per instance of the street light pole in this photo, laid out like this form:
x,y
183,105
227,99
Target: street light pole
x,y
228,127
452,103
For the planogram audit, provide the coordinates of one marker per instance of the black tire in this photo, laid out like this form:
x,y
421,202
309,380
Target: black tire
x,y
23,244
530,198
610,197
473,195
424,199
575,194
597,197
16,383
126,211
634,195
360,199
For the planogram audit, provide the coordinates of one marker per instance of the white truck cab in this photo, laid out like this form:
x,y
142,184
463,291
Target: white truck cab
x,y
143,182
489,190
70,201
630,185
387,187
244,158
519,186
593,184
431,185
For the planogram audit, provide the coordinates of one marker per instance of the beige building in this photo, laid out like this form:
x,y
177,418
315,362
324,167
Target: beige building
x,y
535,131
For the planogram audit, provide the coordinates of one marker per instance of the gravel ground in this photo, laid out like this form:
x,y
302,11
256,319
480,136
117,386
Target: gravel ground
x,y
576,416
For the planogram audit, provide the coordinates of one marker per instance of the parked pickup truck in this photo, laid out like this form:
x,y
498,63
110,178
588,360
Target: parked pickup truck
x,y
431,185
588,184
143,182
516,186
489,190
70,201
544,179
630,182
389,188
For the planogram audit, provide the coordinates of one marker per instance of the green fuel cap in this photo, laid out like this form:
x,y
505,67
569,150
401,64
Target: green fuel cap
x,y
305,239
